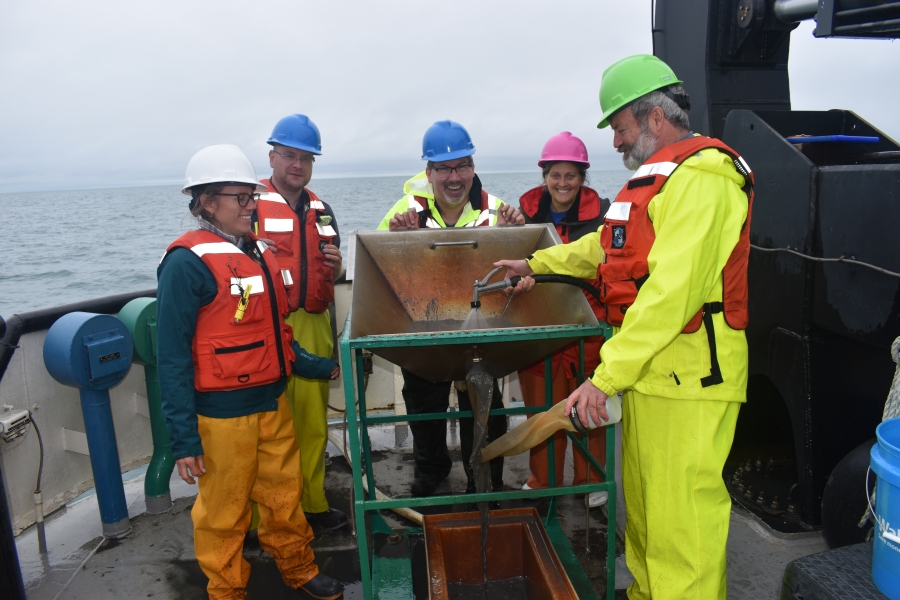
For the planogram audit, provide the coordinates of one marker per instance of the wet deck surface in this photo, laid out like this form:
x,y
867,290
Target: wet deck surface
x,y
157,559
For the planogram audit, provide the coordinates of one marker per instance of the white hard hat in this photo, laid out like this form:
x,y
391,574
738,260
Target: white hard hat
x,y
222,163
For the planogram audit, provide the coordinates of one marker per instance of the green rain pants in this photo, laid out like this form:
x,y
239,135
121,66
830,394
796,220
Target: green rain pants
x,y
673,452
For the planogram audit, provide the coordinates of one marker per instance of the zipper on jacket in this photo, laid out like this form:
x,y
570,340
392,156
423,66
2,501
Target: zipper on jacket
x,y
672,374
273,304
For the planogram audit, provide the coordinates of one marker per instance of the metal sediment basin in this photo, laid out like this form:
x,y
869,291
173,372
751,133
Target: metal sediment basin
x,y
413,291
517,547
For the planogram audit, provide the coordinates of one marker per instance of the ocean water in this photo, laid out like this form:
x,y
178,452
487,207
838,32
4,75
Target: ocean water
x,y
65,246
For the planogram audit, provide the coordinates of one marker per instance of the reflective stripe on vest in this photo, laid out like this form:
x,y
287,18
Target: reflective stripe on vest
x,y
230,354
415,203
490,212
661,168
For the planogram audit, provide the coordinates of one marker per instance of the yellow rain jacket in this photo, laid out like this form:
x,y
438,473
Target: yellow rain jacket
x,y
419,186
697,218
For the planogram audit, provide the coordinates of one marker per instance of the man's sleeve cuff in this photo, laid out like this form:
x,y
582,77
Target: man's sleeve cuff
x,y
602,385
536,266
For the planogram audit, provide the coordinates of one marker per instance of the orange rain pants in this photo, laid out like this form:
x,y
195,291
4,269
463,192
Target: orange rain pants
x,y
533,395
252,457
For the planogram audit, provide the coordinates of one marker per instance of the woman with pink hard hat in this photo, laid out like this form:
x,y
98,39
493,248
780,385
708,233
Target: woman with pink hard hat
x,y
575,210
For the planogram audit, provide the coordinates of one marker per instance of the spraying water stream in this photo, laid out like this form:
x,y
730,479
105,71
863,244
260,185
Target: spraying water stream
x,y
475,320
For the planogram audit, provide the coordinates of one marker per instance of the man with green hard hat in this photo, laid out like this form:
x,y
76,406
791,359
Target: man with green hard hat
x,y
447,193
672,260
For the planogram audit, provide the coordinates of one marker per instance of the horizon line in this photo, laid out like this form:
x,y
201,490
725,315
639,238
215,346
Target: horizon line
x,y
179,181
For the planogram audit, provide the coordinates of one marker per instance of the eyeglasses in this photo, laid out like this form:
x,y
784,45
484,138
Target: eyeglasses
x,y
461,170
243,199
306,160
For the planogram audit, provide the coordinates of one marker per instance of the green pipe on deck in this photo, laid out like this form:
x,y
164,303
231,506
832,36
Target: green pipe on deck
x,y
159,471
139,317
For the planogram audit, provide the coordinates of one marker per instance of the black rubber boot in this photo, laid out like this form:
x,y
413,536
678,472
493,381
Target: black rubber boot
x,y
323,587
329,520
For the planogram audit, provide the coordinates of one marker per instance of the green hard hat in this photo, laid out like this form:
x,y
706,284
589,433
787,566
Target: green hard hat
x,y
629,79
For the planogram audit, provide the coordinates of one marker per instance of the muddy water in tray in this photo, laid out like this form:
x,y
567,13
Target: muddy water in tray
x,y
516,588
481,388
471,322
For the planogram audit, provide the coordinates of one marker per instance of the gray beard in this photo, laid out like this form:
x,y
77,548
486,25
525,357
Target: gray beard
x,y
456,203
642,149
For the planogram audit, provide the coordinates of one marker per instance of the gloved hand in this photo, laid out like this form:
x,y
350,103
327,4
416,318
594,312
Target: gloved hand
x,y
311,366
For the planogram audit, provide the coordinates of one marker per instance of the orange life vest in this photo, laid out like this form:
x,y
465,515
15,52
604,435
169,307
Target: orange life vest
x,y
231,355
583,217
308,280
628,236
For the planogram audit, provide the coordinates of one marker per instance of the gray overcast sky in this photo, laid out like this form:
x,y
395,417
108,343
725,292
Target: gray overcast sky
x,y
105,93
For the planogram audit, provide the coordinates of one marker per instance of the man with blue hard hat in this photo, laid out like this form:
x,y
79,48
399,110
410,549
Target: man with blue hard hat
x,y
447,193
304,233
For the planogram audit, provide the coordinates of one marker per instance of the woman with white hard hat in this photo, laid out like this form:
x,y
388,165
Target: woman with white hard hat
x,y
224,355
574,209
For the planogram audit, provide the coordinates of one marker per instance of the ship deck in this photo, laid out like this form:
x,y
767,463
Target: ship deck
x,y
157,559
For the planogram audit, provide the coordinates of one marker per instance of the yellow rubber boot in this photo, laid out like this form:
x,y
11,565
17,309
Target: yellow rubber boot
x,y
678,508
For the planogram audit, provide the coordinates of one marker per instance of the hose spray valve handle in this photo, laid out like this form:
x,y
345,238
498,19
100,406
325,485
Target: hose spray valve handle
x,y
482,287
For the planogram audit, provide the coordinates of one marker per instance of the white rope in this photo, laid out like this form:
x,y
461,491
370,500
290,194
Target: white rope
x,y
891,410
892,405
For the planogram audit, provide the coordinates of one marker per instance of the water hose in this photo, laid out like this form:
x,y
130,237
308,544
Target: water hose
x,y
590,289
482,287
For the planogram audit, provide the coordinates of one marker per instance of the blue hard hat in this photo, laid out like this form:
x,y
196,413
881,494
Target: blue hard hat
x,y
446,140
297,131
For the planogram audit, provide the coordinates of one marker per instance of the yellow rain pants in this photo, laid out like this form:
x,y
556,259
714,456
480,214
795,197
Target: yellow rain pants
x,y
308,401
678,508
252,457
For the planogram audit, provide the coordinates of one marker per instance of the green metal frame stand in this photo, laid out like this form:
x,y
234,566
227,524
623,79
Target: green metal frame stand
x,y
388,575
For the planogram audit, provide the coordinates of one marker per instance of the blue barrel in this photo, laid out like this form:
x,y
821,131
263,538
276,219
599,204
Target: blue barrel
x,y
885,461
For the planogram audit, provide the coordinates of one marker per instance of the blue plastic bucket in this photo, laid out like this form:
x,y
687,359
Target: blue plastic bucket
x,y
885,462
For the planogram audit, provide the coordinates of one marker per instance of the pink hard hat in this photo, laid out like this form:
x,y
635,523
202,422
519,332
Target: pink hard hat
x,y
564,147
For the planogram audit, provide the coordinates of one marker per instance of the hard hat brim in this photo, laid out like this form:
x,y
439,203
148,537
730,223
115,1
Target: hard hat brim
x,y
450,155
259,186
604,123
567,159
295,145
